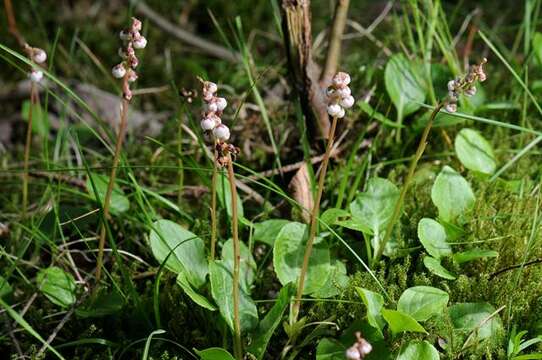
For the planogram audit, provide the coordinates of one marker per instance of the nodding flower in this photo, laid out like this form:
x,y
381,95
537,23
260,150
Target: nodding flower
x,y
339,95
465,85
360,349
38,56
211,122
132,40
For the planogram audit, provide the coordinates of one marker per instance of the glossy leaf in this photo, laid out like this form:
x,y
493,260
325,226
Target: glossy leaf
x,y
418,350
423,302
188,250
335,283
223,193
119,202
468,317
222,292
374,303
214,353
57,285
248,265
432,235
330,349
434,266
474,152
267,231
199,299
288,255
400,322
452,195
40,118
402,79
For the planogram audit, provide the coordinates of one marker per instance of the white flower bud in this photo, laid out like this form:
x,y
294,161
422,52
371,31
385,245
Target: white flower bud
x,y
341,79
452,107
353,354
211,107
451,85
347,102
344,92
207,124
471,91
334,109
221,103
221,132
39,56
341,114
453,95
118,71
211,87
140,43
36,76
364,347
482,75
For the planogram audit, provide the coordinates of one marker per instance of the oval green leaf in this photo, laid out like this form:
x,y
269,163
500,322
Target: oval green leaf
x,y
434,266
478,317
222,292
267,231
374,303
475,152
57,285
432,235
188,250
474,254
119,202
452,195
214,353
288,255
418,350
423,302
248,265
196,297
400,322
402,79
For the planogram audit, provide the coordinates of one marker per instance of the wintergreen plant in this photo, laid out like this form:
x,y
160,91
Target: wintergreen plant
x,y
339,99
125,70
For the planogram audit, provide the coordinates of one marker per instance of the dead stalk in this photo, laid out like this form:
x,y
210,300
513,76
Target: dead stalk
x,y
27,146
335,40
213,206
313,219
238,347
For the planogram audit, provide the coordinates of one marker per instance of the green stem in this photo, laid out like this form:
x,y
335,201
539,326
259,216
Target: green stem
x,y
411,170
237,345
27,146
313,221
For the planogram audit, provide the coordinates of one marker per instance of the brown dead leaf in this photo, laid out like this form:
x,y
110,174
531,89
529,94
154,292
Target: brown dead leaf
x,y
300,187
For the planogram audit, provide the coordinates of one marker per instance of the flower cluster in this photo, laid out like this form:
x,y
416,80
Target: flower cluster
x,y
360,349
465,85
339,95
132,40
212,111
39,56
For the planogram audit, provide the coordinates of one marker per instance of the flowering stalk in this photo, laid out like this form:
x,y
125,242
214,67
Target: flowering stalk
x,y
38,57
132,40
456,87
339,99
211,123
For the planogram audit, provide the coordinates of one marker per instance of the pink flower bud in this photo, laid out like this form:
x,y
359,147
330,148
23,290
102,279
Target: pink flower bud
x,y
353,353
211,107
482,75
334,109
451,107
364,347
221,132
36,76
118,71
132,76
39,56
347,102
140,43
207,124
136,24
210,87
221,103
340,80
